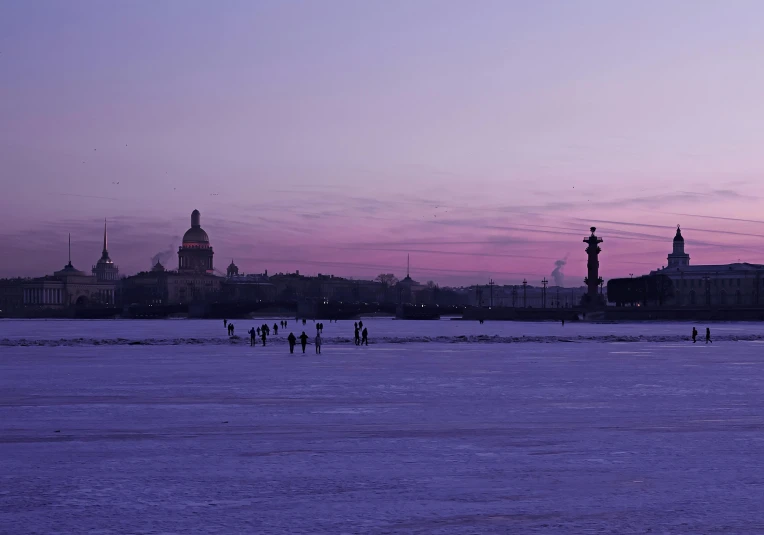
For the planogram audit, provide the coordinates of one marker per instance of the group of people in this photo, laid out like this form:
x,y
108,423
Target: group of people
x,y
361,334
304,341
695,335
228,326
263,332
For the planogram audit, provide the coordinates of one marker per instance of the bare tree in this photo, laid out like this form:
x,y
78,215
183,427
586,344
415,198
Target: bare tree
x,y
388,279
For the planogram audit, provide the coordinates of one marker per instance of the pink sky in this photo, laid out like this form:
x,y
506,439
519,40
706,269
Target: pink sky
x,y
336,137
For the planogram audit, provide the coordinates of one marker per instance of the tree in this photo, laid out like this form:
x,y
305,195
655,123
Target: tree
x,y
388,279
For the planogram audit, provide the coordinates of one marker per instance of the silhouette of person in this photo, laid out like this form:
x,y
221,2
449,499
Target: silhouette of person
x,y
262,337
252,336
355,324
365,336
258,331
357,336
360,324
225,323
563,322
708,335
694,335
230,326
318,343
292,341
303,340
304,321
275,329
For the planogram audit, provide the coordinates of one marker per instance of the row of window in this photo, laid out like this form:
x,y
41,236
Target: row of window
x,y
692,283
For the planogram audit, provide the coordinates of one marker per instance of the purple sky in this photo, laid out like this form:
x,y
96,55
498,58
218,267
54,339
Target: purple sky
x,y
484,138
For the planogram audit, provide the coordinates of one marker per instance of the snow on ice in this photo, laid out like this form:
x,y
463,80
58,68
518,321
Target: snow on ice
x,y
629,429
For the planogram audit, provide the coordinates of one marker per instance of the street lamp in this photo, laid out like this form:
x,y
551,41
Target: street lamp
x,y
544,282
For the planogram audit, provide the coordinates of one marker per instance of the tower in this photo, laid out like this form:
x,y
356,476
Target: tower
x,y
593,267
105,270
195,254
232,270
677,257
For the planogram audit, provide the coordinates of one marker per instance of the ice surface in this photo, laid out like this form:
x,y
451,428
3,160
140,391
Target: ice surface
x,y
442,438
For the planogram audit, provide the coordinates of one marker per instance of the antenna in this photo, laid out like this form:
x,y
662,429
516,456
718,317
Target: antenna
x,y
70,248
408,264
104,236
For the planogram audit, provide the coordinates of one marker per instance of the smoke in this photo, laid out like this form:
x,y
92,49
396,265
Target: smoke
x,y
164,256
557,274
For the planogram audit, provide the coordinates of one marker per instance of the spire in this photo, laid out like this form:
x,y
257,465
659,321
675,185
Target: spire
x,y
70,248
408,265
105,248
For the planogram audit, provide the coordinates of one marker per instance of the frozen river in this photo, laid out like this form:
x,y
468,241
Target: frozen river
x,y
594,436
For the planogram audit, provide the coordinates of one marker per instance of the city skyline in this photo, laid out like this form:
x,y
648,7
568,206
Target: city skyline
x,y
337,138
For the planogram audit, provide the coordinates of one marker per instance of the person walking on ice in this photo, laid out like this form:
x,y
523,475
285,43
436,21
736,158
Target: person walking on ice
x,y
318,343
252,337
365,337
708,335
292,341
303,340
694,335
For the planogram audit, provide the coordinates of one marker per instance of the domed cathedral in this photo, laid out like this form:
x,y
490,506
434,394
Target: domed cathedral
x,y
195,254
105,269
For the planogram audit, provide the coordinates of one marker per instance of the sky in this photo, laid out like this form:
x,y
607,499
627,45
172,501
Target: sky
x,y
483,139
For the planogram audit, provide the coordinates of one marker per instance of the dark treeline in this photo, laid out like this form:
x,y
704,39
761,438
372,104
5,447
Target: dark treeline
x,y
645,290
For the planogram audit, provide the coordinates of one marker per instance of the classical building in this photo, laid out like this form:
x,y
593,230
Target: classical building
x,y
195,253
738,284
71,287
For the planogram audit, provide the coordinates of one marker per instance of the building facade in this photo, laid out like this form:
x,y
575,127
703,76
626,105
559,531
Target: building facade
x,y
737,284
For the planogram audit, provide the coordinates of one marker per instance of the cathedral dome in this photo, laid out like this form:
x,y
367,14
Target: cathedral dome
x,y
195,235
678,236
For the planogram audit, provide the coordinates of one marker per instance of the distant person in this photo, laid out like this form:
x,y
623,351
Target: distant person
x,y
230,326
285,323
708,336
304,321
303,340
365,337
360,324
318,344
357,336
252,337
563,322
263,337
275,329
694,335
225,323
292,341
258,331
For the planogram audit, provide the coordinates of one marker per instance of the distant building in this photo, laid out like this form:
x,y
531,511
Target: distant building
x,y
193,282
72,287
195,253
739,283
